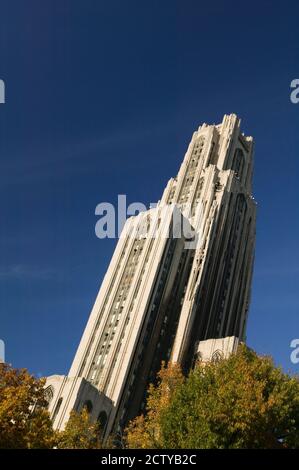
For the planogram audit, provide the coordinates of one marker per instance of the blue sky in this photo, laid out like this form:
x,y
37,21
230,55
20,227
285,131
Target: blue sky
x,y
102,99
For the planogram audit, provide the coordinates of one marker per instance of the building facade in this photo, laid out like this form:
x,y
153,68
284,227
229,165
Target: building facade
x,y
177,287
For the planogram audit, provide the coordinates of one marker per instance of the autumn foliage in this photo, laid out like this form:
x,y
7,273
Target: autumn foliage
x,y
24,421
240,402
80,433
145,432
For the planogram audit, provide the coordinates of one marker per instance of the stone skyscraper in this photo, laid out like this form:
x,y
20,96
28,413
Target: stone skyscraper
x,y
163,298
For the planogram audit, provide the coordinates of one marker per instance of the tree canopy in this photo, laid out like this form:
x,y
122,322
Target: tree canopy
x,y
243,401
80,433
24,421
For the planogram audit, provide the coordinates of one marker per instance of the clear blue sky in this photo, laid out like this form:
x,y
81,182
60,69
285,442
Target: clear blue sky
x,y
102,99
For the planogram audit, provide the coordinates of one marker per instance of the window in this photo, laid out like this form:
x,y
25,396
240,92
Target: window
x,y
88,406
49,394
238,163
217,356
102,419
57,409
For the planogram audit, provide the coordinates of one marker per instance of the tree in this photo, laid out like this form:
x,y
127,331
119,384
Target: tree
x,y
80,432
240,402
145,431
24,421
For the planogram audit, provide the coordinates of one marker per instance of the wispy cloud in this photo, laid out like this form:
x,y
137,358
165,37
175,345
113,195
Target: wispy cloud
x,y
23,272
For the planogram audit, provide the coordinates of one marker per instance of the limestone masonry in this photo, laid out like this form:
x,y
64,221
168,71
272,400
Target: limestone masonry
x,y
161,298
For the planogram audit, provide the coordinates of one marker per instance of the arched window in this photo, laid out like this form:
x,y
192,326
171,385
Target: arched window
x,y
238,163
88,406
49,394
217,356
102,419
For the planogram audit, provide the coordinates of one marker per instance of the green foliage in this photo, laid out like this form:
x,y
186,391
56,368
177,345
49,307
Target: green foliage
x,y
240,402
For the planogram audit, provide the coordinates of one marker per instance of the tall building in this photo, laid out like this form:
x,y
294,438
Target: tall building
x,y
173,294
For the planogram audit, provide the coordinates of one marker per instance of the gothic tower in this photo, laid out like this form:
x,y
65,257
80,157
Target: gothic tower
x,y
163,297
